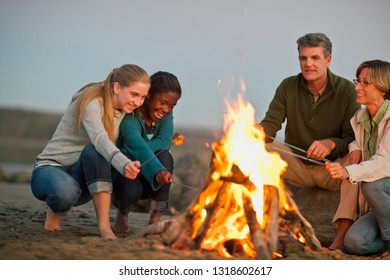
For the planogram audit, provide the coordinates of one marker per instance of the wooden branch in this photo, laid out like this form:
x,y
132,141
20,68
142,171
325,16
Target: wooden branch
x,y
299,225
272,224
212,212
259,239
178,234
236,176
157,228
220,200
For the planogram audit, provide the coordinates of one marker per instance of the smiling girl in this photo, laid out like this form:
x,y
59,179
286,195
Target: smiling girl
x,y
75,166
147,137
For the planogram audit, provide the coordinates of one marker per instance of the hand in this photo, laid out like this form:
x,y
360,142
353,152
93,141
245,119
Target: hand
x,y
320,149
336,170
163,177
355,157
132,169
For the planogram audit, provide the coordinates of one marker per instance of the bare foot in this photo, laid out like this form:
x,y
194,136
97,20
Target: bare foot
x,y
107,233
53,221
337,246
121,223
154,218
343,226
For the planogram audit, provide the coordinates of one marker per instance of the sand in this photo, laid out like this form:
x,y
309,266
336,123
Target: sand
x,y
23,238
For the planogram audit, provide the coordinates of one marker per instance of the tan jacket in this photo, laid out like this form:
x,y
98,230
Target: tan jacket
x,y
378,166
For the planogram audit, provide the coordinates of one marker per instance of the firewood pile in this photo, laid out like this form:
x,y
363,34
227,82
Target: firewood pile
x,y
243,209
281,218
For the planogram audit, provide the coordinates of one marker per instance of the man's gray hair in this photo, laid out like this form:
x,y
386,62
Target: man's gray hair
x,y
316,40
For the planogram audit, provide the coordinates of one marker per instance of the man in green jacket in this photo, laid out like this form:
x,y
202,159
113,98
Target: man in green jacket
x,y
317,106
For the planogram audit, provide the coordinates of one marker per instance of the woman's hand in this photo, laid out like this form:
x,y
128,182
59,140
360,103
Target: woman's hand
x,y
132,169
163,177
336,170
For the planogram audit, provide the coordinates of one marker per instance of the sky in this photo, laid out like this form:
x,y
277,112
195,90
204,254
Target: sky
x,y
49,49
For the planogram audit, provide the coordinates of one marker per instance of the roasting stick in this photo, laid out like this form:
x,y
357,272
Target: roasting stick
x,y
287,144
186,186
149,159
297,149
298,156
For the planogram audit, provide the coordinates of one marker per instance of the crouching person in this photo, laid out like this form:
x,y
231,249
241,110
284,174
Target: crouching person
x,y
147,136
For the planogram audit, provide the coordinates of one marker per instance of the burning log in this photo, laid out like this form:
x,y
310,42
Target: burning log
x,y
244,206
212,212
299,226
179,234
259,237
272,228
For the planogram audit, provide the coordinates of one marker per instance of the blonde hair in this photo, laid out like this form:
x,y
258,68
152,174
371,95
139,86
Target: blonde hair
x,y
125,76
379,71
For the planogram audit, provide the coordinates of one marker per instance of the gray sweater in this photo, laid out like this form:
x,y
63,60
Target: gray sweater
x,y
65,146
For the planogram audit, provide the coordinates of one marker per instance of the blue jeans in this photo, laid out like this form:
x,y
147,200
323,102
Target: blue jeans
x,y
127,192
370,234
63,187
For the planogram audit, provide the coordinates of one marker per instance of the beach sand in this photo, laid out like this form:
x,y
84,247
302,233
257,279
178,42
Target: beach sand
x,y
22,236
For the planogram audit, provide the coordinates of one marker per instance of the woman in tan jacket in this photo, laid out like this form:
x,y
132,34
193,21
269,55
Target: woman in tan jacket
x,y
370,159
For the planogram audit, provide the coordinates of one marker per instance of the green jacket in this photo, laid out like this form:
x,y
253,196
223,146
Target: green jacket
x,y
134,143
329,119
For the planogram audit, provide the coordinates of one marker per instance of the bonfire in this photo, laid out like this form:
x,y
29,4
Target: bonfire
x,y
244,208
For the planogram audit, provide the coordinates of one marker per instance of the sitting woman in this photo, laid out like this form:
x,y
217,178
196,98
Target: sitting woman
x,y
370,155
147,136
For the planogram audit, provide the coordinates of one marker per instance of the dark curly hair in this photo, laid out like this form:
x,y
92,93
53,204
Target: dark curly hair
x,y
163,82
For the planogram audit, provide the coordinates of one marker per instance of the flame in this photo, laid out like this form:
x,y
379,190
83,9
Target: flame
x,y
277,255
243,145
301,238
178,139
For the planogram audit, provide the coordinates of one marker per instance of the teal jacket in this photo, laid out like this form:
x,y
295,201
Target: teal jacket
x,y
134,143
329,119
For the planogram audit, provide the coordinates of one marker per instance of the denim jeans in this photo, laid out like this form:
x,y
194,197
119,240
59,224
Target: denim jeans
x,y
127,192
371,233
63,187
